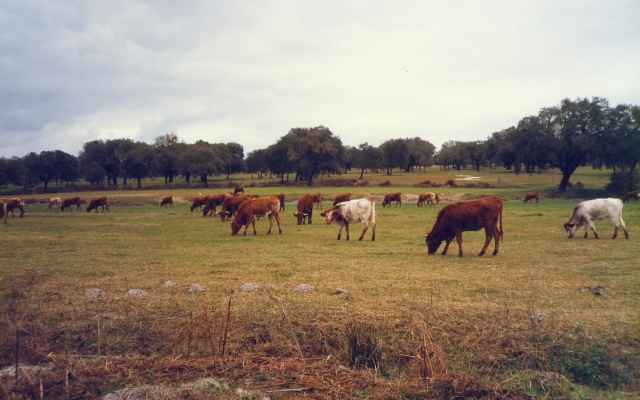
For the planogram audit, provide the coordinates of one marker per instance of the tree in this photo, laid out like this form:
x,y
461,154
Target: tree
x,y
369,157
475,153
66,167
41,167
140,162
256,162
200,159
94,173
396,154
168,149
17,171
314,151
420,153
500,148
278,160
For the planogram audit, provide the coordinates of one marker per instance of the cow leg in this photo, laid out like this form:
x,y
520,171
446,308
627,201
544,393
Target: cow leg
x,y
364,230
373,233
459,240
253,223
339,232
593,228
277,216
489,234
446,247
346,226
270,224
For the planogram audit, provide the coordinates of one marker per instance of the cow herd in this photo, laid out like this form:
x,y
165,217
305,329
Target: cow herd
x,y
451,220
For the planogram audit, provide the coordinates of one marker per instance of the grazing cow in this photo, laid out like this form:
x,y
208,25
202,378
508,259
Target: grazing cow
x,y
391,197
281,198
348,212
430,198
586,212
342,197
199,202
12,204
3,210
530,196
67,203
305,208
167,201
455,218
231,204
55,200
213,202
238,189
98,202
630,195
317,200
251,209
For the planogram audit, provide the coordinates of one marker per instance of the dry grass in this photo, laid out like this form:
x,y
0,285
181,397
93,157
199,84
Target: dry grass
x,y
411,326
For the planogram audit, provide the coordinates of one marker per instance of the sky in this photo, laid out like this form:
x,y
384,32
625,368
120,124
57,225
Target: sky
x,y
249,71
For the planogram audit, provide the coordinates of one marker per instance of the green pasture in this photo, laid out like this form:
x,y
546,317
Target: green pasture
x,y
478,308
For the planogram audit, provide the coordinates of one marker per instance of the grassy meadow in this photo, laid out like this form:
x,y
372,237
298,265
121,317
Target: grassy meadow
x,y
548,317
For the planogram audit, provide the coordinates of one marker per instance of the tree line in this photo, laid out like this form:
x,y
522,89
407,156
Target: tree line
x,y
571,134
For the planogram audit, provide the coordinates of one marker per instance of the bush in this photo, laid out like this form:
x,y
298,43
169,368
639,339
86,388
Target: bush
x,y
451,183
622,183
385,184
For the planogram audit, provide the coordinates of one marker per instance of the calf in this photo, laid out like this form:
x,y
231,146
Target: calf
x,y
12,204
391,197
305,208
455,218
55,200
342,197
167,201
530,196
238,189
231,204
199,202
348,212
251,209
67,203
317,200
630,195
213,202
430,198
586,212
98,202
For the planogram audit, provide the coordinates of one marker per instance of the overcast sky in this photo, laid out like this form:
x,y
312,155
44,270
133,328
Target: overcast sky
x,y
248,71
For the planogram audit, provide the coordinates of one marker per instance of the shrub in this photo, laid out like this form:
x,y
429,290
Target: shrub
x,y
451,183
385,184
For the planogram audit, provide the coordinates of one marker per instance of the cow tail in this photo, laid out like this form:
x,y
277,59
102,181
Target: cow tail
x,y
501,233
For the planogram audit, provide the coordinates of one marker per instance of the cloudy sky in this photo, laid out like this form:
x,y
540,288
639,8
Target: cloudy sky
x,y
248,71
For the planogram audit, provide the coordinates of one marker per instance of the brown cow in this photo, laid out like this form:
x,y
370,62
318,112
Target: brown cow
x,y
530,196
342,197
213,202
199,202
397,197
251,209
54,200
281,198
317,200
167,201
3,210
305,209
238,189
455,218
13,203
98,202
630,195
231,204
67,203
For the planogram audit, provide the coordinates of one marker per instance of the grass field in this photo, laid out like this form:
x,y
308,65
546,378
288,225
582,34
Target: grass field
x,y
547,316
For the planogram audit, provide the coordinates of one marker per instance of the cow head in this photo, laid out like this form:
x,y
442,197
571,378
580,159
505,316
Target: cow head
x,y
302,217
328,216
432,243
571,229
235,228
224,215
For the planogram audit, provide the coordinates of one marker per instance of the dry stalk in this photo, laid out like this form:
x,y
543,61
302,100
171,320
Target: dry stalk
x,y
284,313
226,326
431,356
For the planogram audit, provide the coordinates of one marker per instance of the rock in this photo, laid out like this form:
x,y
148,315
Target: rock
x,y
537,316
249,287
339,291
168,284
137,292
194,287
271,286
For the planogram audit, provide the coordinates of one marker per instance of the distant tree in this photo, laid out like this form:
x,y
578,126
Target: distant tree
x,y
17,171
4,172
140,162
201,159
41,167
66,167
94,173
314,151
396,154
369,157
351,155
500,148
420,153
256,162
277,158
475,153
235,161
168,149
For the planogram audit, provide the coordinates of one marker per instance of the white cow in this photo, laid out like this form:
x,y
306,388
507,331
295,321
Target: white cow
x,y
586,212
55,200
348,212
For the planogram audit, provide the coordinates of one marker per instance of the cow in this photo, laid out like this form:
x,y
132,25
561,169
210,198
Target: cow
x,y
13,203
238,189
631,195
98,202
199,202
430,198
250,209
473,215
342,197
67,203
55,200
167,201
586,212
530,196
3,210
348,212
213,202
281,198
231,204
391,197
317,200
305,209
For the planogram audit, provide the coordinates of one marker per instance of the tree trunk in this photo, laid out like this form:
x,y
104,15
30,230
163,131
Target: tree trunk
x,y
310,181
564,182
139,183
